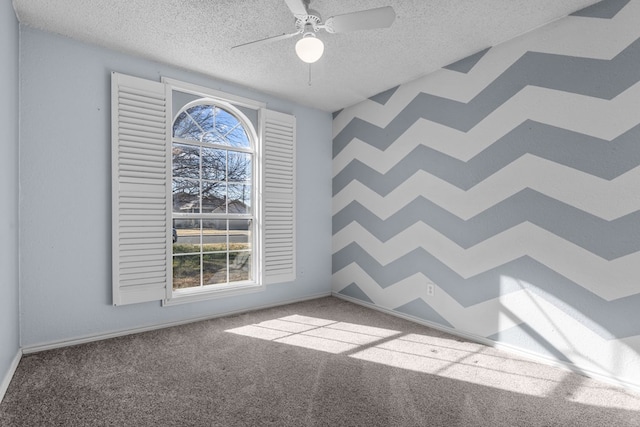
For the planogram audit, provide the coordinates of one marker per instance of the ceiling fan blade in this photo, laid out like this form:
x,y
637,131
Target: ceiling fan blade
x,y
266,40
297,7
381,17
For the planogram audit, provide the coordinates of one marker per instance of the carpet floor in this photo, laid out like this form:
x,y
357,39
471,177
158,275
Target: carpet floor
x,y
325,362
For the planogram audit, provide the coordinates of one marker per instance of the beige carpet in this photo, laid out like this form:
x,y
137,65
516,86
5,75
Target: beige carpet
x,y
325,362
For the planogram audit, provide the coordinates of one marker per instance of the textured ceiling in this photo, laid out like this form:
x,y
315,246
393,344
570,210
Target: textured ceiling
x,y
198,34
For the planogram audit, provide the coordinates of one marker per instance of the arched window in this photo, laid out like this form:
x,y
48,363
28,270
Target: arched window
x,y
213,178
203,193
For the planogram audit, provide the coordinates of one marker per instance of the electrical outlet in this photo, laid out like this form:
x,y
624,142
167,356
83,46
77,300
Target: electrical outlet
x,y
431,289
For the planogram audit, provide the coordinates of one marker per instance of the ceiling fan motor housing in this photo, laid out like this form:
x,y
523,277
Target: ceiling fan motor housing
x,y
312,20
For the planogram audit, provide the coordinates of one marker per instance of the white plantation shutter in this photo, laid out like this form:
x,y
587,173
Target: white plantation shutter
x,y
140,190
278,198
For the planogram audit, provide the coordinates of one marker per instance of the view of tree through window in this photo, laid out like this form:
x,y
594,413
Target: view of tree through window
x,y
212,184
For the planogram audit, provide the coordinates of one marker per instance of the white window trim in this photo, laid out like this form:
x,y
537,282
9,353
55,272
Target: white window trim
x,y
229,102
264,274
180,296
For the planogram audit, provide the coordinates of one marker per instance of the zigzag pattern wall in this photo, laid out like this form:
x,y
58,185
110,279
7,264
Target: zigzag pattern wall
x,y
511,180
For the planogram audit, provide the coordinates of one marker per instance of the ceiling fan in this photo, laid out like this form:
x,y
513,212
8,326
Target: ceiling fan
x,y
308,22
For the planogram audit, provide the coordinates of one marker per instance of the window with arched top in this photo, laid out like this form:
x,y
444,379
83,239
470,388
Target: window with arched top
x,y
212,195
203,192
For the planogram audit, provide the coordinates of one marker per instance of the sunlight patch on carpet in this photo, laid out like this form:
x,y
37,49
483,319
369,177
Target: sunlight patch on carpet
x,y
432,355
315,333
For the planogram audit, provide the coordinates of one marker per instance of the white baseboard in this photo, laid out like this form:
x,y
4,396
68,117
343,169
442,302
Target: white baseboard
x,y
501,346
118,333
4,385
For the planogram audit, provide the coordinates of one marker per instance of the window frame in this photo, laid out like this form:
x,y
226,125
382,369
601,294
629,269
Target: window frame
x,y
247,127
230,103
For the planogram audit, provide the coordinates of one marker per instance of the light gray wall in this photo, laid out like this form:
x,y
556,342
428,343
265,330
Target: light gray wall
x,y
9,303
66,195
511,181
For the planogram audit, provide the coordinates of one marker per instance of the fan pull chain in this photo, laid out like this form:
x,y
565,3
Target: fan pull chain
x,y
309,74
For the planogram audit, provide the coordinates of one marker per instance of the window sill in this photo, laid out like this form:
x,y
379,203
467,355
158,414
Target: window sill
x,y
184,296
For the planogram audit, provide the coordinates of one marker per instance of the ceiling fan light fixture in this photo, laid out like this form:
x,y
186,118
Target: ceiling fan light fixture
x,y
309,48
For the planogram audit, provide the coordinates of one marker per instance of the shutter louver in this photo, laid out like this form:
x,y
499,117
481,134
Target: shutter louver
x,y
140,220
279,197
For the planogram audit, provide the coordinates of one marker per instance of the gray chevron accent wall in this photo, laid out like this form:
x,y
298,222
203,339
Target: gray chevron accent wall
x,y
510,180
